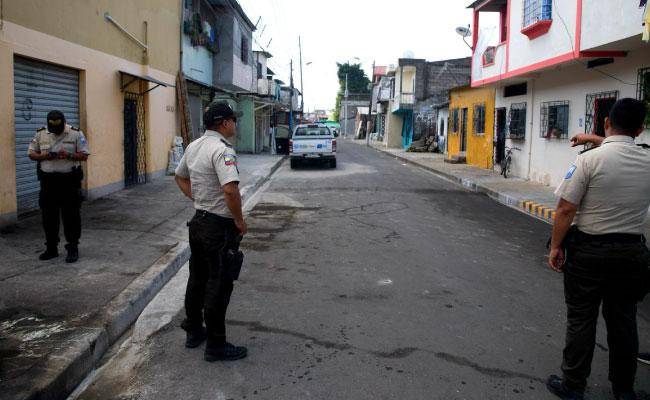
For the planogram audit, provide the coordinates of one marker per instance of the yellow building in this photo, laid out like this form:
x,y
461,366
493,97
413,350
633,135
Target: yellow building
x,y
471,122
110,66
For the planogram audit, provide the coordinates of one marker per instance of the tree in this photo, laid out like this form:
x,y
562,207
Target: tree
x,y
358,82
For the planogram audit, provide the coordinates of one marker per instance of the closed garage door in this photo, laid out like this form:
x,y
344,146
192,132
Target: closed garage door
x,y
38,89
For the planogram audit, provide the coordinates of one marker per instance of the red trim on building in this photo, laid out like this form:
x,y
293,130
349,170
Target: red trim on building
x,y
578,37
537,29
530,68
475,31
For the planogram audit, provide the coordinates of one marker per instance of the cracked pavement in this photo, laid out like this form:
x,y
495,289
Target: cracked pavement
x,y
377,280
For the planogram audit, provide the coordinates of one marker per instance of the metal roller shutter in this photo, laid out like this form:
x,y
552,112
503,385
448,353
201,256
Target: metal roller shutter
x,y
38,88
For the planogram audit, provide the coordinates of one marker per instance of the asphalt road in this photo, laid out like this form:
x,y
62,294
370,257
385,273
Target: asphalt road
x,y
376,280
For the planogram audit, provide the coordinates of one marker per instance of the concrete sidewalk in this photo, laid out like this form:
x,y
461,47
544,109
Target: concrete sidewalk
x,y
534,199
58,319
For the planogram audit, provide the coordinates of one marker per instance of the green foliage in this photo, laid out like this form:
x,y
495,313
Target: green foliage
x,y
358,82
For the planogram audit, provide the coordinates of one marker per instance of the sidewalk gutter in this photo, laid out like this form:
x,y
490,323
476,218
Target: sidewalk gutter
x,y
68,367
535,210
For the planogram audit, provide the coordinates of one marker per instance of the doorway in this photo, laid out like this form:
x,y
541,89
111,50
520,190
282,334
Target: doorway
x,y
134,140
598,107
463,130
500,134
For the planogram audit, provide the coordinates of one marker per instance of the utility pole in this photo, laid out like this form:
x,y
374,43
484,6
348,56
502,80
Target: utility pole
x,y
345,113
302,93
291,97
372,80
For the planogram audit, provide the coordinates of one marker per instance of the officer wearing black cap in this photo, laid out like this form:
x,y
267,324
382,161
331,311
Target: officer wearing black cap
x,y
208,175
59,149
598,243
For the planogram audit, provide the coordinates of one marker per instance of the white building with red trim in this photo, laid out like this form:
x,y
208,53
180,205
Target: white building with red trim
x,y
557,66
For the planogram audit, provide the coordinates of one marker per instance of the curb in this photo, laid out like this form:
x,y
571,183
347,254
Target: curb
x,y
72,365
530,208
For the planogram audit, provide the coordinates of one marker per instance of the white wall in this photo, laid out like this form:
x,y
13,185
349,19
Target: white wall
x,y
621,17
556,42
550,158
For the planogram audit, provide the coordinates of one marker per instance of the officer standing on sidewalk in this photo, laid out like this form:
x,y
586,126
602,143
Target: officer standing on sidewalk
x,y
208,175
59,148
605,195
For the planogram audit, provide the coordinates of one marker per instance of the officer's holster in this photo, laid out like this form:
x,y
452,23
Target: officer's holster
x,y
233,258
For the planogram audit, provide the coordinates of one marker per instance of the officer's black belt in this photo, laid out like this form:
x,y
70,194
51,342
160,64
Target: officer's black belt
x,y
213,217
608,237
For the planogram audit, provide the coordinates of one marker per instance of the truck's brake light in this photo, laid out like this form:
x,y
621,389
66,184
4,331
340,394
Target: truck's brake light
x,y
334,145
290,146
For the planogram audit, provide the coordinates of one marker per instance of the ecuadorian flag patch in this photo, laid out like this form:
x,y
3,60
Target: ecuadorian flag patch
x,y
230,159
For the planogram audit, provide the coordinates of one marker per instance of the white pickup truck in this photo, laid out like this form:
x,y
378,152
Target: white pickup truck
x,y
312,142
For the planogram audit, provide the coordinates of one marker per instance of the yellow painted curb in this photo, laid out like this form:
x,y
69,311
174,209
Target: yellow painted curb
x,y
538,210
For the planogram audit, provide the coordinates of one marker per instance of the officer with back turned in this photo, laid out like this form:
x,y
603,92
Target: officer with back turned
x,y
59,149
598,243
208,175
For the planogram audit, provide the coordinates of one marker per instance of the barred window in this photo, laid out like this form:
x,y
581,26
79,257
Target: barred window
x,y
244,49
535,11
597,109
555,120
643,91
517,124
479,119
454,121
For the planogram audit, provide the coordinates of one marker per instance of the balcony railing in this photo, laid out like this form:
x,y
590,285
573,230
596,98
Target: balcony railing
x,y
403,101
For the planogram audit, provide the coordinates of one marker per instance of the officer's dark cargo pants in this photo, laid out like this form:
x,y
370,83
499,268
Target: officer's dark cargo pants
x,y
602,270
209,286
60,198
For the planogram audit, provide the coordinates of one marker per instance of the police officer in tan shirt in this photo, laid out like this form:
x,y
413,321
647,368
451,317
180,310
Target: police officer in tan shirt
x,y
59,149
208,175
598,243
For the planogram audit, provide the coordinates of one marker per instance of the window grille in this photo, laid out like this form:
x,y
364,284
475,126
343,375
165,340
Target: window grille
x,y
535,11
597,109
517,124
554,120
454,121
643,91
479,119
244,50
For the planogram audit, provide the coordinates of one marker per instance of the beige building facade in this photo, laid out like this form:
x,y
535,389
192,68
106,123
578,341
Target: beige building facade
x,y
110,66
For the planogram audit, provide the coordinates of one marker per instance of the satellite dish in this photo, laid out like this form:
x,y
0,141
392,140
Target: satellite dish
x,y
463,31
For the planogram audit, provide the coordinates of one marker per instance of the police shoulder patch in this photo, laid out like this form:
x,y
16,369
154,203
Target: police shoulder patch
x,y
74,128
229,159
569,174
42,128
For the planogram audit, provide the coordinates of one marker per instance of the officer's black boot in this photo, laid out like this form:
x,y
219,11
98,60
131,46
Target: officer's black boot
x,y
73,253
224,352
558,387
195,338
49,253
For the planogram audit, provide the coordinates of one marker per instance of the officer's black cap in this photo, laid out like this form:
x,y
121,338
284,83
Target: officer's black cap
x,y
218,111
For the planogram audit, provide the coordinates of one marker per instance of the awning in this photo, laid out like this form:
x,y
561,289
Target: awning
x,y
132,78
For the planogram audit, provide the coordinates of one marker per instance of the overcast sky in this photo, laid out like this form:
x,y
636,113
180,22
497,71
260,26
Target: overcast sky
x,y
338,30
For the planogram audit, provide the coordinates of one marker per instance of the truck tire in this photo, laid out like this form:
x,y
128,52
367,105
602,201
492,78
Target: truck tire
x,y
293,164
333,163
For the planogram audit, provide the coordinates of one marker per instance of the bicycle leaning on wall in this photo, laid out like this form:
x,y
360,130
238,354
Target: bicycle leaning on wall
x,y
506,162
